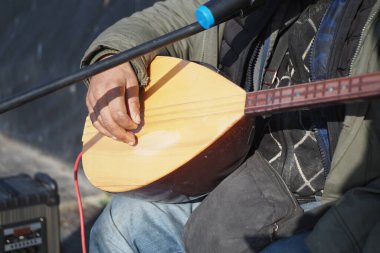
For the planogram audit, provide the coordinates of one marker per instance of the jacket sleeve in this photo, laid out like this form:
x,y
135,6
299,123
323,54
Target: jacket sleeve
x,y
351,224
161,18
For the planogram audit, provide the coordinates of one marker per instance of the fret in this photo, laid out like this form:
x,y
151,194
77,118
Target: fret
x,y
315,94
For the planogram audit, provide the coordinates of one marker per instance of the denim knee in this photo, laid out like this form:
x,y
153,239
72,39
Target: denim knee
x,y
110,231
131,225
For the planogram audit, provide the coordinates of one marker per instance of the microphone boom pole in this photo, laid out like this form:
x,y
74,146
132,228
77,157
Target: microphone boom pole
x,y
208,15
62,82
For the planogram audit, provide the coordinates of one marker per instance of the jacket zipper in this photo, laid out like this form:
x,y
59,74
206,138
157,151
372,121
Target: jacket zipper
x,y
369,20
322,150
321,147
250,75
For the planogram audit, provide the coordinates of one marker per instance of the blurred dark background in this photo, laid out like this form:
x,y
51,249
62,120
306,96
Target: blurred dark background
x,y
40,41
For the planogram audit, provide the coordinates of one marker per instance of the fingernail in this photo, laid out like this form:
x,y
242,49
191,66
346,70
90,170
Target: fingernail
x,y
113,137
137,118
131,141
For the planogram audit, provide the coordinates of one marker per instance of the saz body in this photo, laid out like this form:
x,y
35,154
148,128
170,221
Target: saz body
x,y
197,127
194,133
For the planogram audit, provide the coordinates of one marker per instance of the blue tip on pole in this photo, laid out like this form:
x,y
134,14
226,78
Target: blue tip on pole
x,y
204,17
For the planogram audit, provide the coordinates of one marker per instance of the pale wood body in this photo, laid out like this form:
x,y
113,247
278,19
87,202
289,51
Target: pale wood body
x,y
186,108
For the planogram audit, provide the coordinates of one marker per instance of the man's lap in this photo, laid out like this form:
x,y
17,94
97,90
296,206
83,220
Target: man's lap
x,y
135,225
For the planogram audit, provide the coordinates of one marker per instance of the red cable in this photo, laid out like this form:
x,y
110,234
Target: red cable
x,y
79,201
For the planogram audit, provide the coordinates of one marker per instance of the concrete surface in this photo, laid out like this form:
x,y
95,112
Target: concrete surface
x,y
41,41
17,157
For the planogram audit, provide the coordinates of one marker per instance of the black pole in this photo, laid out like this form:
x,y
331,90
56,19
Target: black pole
x,y
59,83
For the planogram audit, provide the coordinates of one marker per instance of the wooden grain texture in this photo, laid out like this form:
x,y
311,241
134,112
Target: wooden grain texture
x,y
186,108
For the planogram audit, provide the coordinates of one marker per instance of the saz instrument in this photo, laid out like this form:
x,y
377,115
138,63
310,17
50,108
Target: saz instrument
x,y
197,127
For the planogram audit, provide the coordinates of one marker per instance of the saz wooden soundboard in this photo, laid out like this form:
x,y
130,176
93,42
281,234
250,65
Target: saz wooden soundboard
x,y
187,111
197,126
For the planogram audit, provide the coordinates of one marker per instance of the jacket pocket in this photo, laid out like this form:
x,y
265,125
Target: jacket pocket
x,y
243,212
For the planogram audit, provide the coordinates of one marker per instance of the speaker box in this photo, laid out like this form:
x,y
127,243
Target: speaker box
x,y
29,214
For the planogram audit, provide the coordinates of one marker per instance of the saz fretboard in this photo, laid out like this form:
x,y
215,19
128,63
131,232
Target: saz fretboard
x,y
332,91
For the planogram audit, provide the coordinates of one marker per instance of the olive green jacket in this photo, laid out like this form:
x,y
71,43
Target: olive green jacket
x,y
160,19
353,223
356,161
357,157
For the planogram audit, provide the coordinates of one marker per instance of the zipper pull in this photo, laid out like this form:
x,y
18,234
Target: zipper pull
x,y
274,230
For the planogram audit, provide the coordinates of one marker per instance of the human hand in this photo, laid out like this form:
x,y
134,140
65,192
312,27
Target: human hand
x,y
113,103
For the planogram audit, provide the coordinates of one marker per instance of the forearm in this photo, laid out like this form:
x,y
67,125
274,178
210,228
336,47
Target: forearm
x,y
148,24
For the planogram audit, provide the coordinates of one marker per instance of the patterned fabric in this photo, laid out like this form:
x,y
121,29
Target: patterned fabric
x,y
289,144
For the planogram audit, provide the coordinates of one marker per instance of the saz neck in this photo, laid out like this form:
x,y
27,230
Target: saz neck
x,y
309,95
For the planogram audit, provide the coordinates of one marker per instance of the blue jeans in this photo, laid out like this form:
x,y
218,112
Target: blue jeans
x,y
135,225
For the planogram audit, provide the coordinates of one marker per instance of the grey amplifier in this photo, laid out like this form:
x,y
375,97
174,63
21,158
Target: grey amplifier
x,y
29,214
